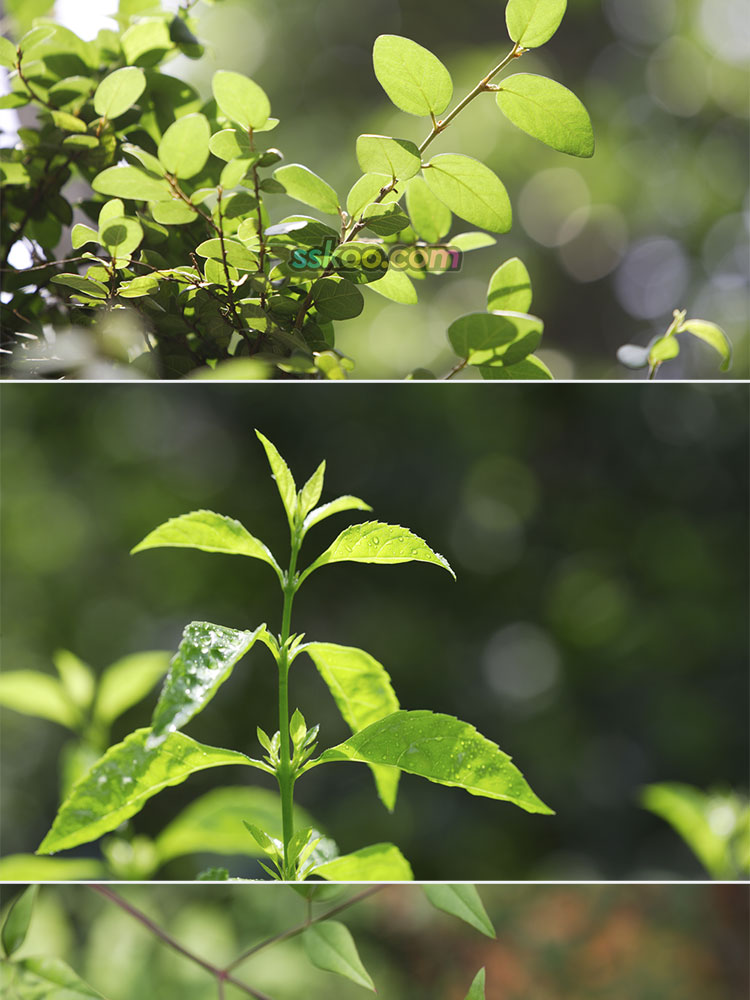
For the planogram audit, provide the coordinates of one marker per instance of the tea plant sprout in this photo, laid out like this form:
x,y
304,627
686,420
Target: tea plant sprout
x,y
385,737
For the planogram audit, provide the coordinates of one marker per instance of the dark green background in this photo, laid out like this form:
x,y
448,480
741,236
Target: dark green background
x,y
596,631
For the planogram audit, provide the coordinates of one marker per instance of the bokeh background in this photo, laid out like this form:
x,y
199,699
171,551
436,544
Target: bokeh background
x,y
657,220
553,942
597,630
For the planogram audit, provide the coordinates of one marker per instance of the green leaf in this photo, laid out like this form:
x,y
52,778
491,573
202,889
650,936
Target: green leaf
x,y
77,677
414,79
121,236
429,216
377,863
472,241
396,286
119,91
8,56
380,154
663,349
45,979
363,693
367,189
330,946
131,182
461,901
282,477
470,190
121,782
213,823
337,299
81,235
229,144
128,680
336,506
495,339
29,868
241,99
510,287
533,22
305,186
138,287
375,542
237,255
713,335
547,111
476,991
209,532
443,749
16,924
310,492
184,146
530,369
37,694
67,122
146,42
86,286
205,659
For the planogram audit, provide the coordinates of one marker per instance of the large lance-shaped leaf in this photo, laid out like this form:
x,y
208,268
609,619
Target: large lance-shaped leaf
x,y
377,863
461,901
282,477
184,146
241,99
204,660
333,507
471,190
494,339
213,823
330,946
122,781
44,979
363,692
209,532
547,111
533,22
442,749
375,542
119,91
414,79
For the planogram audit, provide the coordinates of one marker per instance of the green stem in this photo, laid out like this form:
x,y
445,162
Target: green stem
x,y
284,774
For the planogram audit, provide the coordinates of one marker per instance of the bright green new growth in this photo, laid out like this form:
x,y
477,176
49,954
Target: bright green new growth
x,y
194,250
665,347
389,740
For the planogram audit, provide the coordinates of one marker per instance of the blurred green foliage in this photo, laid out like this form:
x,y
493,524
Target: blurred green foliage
x,y
595,631
604,942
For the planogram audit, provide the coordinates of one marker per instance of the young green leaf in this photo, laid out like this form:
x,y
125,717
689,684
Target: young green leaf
x,y
16,924
209,532
229,144
47,978
495,339
121,782
470,190
205,659
119,91
337,299
375,542
241,99
305,186
330,946
184,146
131,182
377,863
213,823
713,335
380,154
530,369
8,55
663,349
510,287
336,506
77,677
531,23
476,992
396,286
37,694
429,216
27,868
443,749
310,492
282,476
462,901
547,111
147,41
125,682
472,241
363,693
414,79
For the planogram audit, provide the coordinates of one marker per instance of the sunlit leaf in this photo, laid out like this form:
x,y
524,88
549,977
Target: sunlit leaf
x,y
330,946
305,186
377,863
17,920
310,492
282,477
712,335
380,154
131,182
336,506
547,111
241,99
184,146
533,22
470,190
429,216
34,693
128,680
510,287
119,91
495,339
375,542
44,979
414,79
29,868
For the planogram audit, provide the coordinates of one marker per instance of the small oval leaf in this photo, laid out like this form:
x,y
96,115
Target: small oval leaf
x,y
533,22
414,79
184,146
241,99
119,91
471,190
547,111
